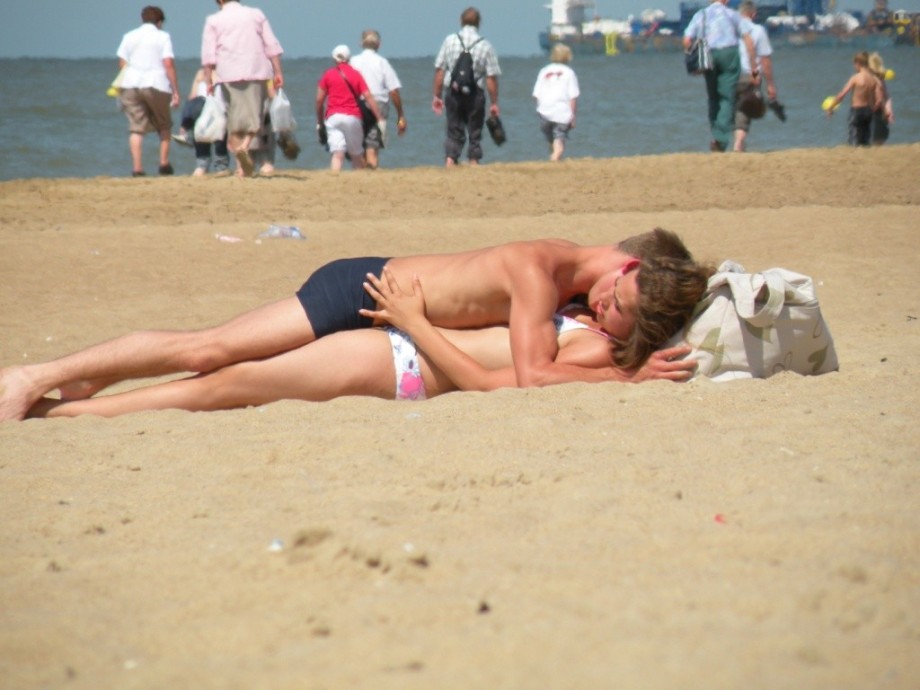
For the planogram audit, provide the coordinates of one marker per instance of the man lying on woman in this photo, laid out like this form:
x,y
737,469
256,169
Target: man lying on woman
x,y
638,302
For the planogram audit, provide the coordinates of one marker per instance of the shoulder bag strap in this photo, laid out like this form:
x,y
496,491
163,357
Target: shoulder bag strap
x,y
350,87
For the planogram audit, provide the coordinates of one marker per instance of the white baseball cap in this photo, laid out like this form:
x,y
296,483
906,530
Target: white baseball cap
x,y
341,53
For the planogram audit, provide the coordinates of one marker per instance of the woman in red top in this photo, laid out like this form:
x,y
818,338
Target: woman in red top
x,y
338,116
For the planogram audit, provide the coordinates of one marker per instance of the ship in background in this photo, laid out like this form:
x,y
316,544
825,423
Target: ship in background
x,y
790,23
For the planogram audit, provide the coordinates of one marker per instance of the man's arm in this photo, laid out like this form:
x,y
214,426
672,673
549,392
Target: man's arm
x,y
840,96
372,103
752,53
396,100
170,66
437,103
766,66
534,299
279,75
492,90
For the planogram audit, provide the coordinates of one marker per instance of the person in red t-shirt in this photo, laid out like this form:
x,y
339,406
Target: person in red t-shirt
x,y
338,116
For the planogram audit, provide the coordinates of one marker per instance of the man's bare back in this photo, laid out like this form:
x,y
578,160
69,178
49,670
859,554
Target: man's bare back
x,y
476,288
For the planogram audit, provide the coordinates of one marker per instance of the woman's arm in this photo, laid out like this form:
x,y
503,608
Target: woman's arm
x,y
406,311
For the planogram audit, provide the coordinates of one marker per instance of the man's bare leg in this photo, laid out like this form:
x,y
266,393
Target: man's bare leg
x,y
265,331
740,137
348,363
372,158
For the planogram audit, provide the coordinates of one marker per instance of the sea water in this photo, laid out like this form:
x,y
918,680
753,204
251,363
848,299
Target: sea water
x,y
56,120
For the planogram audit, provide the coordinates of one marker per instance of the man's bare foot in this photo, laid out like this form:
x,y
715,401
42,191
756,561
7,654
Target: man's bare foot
x,y
245,166
17,393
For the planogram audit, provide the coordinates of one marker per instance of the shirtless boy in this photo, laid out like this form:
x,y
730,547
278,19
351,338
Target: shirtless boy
x,y
865,100
640,304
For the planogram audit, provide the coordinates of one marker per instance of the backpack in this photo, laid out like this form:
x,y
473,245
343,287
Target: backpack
x,y
462,79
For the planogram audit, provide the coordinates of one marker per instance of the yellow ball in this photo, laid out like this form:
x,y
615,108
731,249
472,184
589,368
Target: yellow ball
x,y
889,74
828,103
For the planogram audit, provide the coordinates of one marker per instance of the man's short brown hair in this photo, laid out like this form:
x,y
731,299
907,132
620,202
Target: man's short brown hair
x,y
152,15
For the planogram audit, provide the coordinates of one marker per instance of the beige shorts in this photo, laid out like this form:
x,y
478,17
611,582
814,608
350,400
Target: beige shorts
x,y
245,101
147,110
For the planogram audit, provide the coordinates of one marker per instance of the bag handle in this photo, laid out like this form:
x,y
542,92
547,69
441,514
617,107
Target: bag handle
x,y
747,288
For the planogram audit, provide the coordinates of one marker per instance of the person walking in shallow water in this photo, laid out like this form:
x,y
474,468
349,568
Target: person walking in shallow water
x,y
239,44
752,75
865,97
556,92
723,29
384,85
149,86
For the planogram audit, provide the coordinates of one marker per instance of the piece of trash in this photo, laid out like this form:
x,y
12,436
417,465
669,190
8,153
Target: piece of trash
x,y
288,231
276,545
720,518
228,238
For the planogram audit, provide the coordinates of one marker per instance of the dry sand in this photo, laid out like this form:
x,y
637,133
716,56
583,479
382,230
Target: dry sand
x,y
759,534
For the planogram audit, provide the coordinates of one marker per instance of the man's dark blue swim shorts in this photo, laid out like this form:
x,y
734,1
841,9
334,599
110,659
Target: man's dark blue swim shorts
x,y
334,293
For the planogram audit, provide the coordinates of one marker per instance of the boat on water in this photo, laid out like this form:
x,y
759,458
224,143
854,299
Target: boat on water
x,y
792,23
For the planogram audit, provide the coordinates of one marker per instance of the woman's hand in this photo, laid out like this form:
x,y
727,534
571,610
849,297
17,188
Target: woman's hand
x,y
398,308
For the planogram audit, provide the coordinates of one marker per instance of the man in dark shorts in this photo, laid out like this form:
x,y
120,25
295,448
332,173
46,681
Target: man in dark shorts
x,y
640,304
335,285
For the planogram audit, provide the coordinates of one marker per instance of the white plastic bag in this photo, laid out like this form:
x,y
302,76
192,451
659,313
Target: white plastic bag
x,y
281,115
754,325
211,125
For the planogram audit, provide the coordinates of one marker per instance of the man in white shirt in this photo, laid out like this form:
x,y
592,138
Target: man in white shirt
x,y
384,86
751,76
149,86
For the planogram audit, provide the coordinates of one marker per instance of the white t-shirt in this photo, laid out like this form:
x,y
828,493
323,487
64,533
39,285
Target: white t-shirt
x,y
144,49
762,47
378,73
554,90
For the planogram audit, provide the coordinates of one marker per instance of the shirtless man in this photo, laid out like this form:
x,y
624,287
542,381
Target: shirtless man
x,y
866,99
520,284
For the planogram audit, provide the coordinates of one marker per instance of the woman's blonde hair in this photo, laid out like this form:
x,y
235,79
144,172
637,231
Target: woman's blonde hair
x,y
877,65
560,53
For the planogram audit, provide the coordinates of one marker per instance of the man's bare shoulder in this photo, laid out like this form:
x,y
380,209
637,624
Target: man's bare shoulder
x,y
542,247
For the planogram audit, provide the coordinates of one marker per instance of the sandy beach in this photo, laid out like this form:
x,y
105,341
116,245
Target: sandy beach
x,y
756,534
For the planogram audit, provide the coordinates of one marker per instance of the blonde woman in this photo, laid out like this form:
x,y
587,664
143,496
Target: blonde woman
x,y
556,92
883,115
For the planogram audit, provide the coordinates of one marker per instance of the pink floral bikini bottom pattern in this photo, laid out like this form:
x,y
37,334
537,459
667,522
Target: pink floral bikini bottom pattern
x,y
409,383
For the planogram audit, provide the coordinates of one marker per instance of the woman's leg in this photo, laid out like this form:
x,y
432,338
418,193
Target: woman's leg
x,y
265,331
346,363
